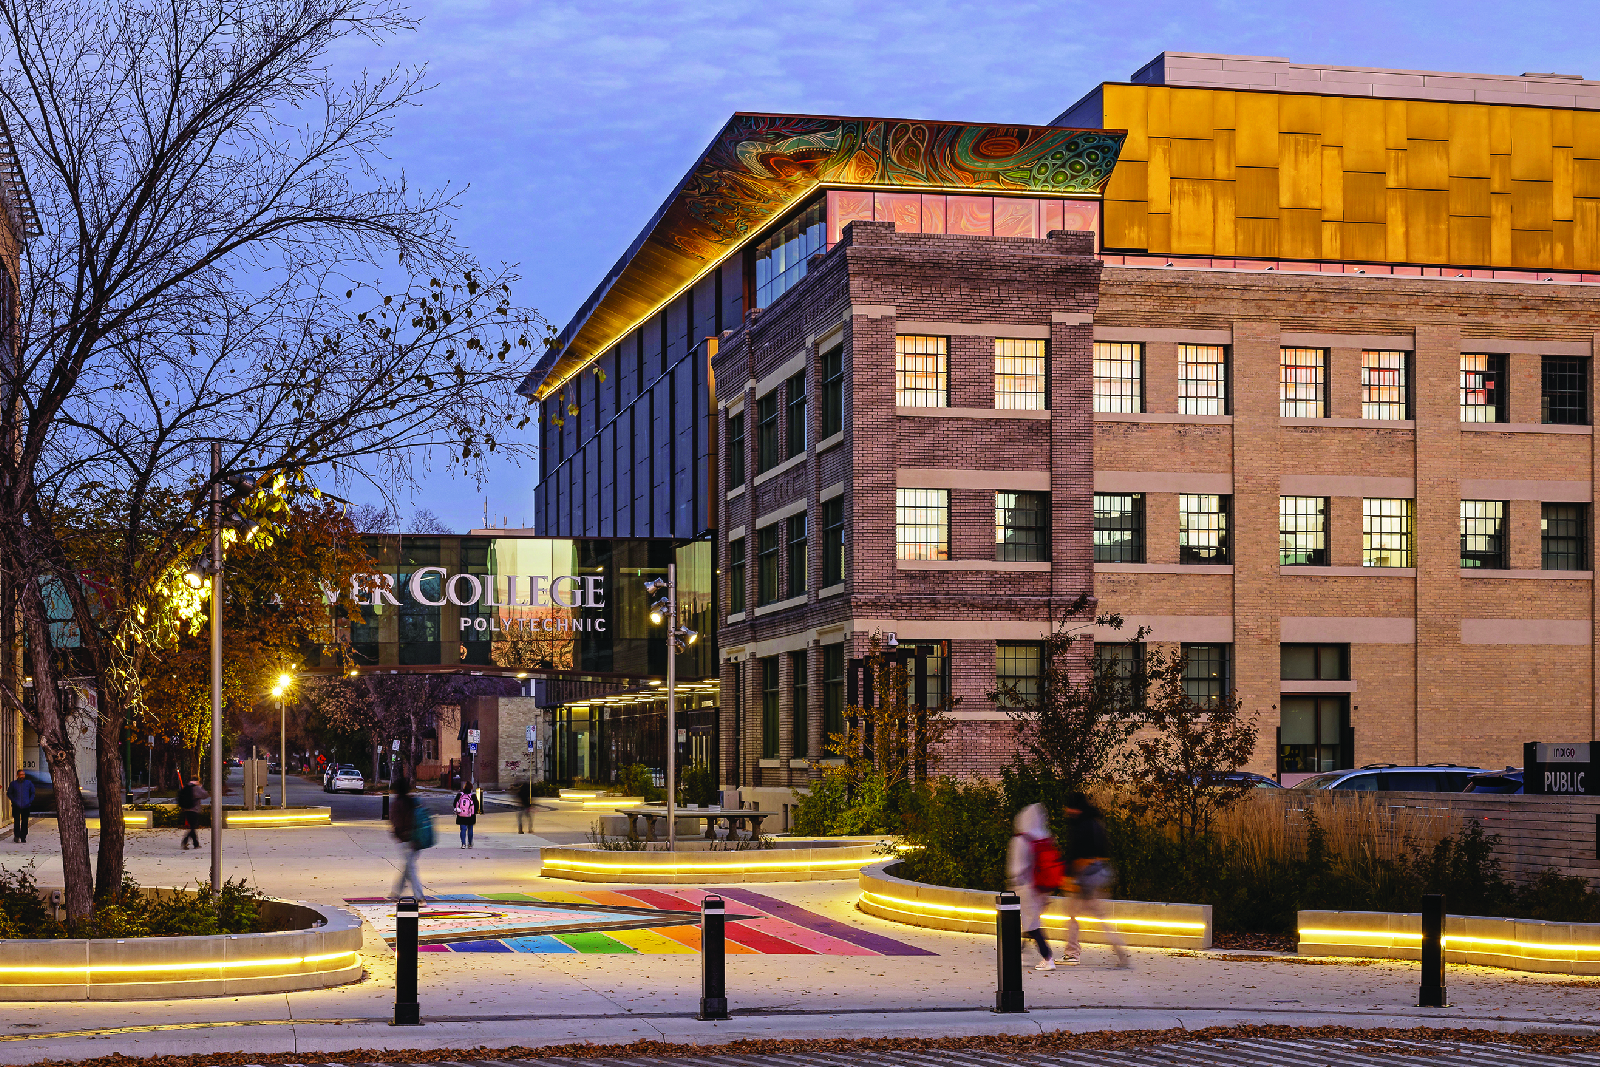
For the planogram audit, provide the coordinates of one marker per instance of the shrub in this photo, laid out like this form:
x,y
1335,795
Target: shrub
x,y
637,781
546,789
818,809
129,912
698,785
962,830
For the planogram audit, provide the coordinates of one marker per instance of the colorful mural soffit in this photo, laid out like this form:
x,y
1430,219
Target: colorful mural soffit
x,y
761,164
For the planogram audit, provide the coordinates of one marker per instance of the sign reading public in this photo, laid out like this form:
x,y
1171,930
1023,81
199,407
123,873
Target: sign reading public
x,y
1558,769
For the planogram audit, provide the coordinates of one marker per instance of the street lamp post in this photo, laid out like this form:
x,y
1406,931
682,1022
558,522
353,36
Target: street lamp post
x,y
284,681
678,639
216,670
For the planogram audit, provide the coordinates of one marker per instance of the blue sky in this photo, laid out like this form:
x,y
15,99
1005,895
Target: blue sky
x,y
568,123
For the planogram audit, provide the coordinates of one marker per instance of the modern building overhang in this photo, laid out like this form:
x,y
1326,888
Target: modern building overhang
x,y
760,166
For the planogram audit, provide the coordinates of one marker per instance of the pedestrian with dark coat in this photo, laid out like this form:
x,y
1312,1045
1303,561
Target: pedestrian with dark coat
x,y
525,805
466,813
1088,855
190,797
20,793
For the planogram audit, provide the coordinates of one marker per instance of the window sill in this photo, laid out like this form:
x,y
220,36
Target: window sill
x,y
829,441
969,565
832,590
1484,572
735,492
1295,686
780,605
737,616
1203,420
788,464
1348,572
1163,568
1525,427
973,413
1361,424
769,763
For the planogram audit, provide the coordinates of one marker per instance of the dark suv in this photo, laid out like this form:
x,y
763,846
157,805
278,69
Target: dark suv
x,y
1432,778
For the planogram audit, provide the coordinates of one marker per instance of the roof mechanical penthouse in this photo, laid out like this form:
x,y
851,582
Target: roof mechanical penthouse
x,y
1291,364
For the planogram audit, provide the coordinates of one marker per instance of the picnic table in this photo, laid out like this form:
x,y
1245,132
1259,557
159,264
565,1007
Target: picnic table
x,y
732,817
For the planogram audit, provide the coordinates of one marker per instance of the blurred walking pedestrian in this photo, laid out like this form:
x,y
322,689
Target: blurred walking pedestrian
x,y
466,813
412,826
190,797
1089,864
1034,871
20,793
525,806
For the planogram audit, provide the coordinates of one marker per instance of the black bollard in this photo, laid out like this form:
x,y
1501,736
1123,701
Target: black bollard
x,y
1008,954
1431,994
713,959
407,1012
386,807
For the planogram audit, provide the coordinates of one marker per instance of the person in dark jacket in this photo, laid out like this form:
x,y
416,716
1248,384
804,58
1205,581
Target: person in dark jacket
x,y
20,793
1088,857
402,823
525,806
190,797
466,807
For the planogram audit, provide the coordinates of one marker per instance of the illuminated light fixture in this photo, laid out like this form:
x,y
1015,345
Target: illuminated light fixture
x,y
354,673
195,574
195,965
562,863
653,681
285,680
277,690
924,907
1379,939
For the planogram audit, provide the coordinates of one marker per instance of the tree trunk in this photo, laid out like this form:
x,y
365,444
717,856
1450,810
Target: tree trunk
x,y
113,834
50,722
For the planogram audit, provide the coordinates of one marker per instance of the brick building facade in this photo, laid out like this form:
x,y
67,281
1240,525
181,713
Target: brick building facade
x,y
1293,365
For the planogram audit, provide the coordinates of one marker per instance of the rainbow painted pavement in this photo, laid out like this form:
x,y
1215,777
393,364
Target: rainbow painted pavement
x,y
622,921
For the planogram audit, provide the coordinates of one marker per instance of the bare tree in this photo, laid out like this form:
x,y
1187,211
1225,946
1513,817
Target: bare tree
x,y
216,239
371,518
424,521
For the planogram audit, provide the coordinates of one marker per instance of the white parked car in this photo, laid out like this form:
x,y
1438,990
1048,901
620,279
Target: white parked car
x,y
345,779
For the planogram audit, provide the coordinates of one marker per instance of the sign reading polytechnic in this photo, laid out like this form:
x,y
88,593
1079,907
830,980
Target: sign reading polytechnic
x,y
559,606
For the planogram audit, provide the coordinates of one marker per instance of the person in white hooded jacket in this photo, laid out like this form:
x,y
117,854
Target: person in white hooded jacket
x,y
1032,828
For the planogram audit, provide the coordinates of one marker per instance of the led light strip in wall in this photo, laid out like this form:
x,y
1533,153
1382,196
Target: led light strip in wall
x,y
243,818
667,868
1378,939
924,907
148,968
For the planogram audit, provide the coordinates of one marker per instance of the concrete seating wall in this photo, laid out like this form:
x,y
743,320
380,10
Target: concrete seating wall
x,y
790,863
972,911
1516,944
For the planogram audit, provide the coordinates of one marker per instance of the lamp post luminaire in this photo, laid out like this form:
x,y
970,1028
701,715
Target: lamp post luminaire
x,y
678,639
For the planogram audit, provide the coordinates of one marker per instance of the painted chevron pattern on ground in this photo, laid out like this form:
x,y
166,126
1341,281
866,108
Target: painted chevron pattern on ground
x,y
640,920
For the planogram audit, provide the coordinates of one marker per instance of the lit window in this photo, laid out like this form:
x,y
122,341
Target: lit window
x,y
1022,527
1303,531
1202,528
1118,377
1301,383
1205,673
781,257
1483,388
1483,540
1019,375
1202,380
1386,533
922,523
1383,386
921,376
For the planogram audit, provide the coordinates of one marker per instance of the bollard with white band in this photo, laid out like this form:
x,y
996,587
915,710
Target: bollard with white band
x,y
407,1012
1008,954
713,959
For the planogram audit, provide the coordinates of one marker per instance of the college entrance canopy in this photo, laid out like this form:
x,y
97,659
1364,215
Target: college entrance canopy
x,y
560,608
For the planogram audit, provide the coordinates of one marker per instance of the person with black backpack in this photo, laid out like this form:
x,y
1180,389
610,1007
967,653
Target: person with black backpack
x,y
412,826
1088,858
1035,873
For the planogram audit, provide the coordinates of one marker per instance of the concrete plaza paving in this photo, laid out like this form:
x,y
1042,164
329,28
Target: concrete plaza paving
x,y
501,999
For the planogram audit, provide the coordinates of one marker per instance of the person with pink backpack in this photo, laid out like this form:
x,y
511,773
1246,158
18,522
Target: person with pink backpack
x,y
466,813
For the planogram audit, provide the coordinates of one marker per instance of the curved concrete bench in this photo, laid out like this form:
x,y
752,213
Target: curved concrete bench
x,y
315,946
972,911
800,862
1516,944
